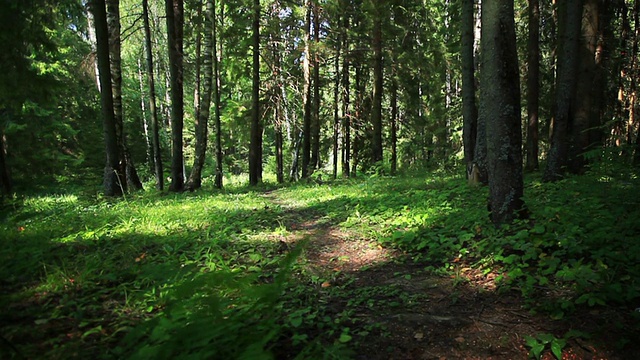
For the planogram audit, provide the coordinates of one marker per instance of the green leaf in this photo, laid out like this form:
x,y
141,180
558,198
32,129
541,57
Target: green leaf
x,y
556,347
546,338
536,350
345,338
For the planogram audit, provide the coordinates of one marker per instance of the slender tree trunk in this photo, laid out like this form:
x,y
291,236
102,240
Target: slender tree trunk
x,y
570,14
469,108
394,122
336,107
376,114
533,85
5,176
155,129
500,105
346,114
315,125
255,147
114,176
204,103
145,121
175,23
216,101
306,126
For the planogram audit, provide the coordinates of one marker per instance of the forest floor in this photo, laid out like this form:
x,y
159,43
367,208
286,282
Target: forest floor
x,y
370,268
460,316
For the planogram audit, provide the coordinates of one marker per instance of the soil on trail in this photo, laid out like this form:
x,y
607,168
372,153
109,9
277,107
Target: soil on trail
x,y
459,316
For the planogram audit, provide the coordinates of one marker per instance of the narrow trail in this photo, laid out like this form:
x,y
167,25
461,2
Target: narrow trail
x,y
415,314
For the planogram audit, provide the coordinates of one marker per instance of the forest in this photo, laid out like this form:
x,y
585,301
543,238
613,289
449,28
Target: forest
x,y
319,179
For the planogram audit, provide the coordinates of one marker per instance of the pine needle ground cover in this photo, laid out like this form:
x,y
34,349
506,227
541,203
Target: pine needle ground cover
x,y
378,267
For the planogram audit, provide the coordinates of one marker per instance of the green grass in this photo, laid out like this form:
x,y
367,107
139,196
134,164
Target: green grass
x,y
203,273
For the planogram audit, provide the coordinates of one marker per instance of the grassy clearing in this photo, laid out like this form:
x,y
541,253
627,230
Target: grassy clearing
x,y
205,273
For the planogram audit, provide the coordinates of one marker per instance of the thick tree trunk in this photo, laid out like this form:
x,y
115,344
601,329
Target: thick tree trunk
x,y
469,108
585,98
175,23
114,175
204,103
255,147
155,128
570,14
306,126
533,85
500,106
376,111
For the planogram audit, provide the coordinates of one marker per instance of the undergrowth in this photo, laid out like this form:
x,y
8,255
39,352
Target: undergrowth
x,y
206,274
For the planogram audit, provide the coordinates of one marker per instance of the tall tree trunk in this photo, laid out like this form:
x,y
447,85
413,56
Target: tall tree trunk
x,y
315,125
175,27
204,105
469,108
500,106
570,19
394,121
216,98
585,96
113,23
533,85
306,126
336,106
376,114
153,110
114,175
255,147
346,114
145,121
5,176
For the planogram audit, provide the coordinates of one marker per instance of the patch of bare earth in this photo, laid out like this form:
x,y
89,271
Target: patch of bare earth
x,y
457,317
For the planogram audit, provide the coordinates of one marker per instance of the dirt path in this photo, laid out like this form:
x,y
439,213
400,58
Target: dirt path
x,y
410,313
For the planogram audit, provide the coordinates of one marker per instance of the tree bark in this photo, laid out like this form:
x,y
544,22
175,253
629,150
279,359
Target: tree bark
x,y
394,123
216,99
376,114
175,24
336,106
153,110
346,114
255,147
5,176
204,103
469,108
315,125
114,175
570,19
500,106
306,126
533,85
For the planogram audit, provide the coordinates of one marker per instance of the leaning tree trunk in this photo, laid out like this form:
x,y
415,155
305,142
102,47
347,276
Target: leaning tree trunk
x,y
153,110
255,147
500,106
204,103
114,176
469,109
175,24
570,14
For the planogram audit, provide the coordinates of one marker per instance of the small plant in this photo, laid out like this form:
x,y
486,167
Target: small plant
x,y
543,341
